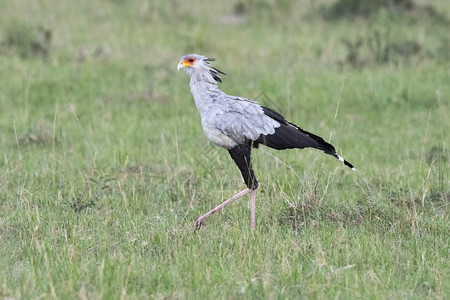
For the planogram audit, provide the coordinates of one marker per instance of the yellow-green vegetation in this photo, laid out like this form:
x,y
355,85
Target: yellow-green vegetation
x,y
104,166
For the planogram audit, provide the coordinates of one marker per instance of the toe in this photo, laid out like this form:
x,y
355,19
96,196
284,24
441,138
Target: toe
x,y
198,224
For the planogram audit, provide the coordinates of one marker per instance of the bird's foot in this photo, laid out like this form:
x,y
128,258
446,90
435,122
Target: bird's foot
x,y
198,224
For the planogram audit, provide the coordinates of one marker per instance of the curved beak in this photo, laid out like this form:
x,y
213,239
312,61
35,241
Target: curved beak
x,y
179,66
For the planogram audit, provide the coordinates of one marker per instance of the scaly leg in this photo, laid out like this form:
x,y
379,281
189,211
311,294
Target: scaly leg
x,y
253,208
199,221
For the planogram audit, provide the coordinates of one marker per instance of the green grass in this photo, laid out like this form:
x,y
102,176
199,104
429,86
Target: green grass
x,y
104,166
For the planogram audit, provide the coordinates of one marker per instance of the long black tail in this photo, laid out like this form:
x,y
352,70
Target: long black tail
x,y
290,136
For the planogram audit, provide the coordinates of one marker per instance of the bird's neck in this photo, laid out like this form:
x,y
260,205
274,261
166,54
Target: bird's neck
x,y
205,91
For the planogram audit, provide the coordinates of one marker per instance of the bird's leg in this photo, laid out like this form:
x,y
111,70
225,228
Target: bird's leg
x,y
253,208
241,154
199,221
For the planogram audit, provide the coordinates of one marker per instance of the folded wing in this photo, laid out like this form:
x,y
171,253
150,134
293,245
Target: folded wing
x,y
290,136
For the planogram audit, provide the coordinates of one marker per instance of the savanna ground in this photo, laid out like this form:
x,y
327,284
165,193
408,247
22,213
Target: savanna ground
x,y
104,166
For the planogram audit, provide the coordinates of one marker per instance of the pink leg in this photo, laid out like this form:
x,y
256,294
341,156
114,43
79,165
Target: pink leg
x,y
253,208
199,221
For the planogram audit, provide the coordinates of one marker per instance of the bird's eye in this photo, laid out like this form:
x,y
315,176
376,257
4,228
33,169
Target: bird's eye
x,y
191,60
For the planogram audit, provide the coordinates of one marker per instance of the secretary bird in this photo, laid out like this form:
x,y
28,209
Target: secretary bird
x,y
237,124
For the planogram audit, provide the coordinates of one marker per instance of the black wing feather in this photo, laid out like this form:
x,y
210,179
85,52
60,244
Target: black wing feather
x,y
290,136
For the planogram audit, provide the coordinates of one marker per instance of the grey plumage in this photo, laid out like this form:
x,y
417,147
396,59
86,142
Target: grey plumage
x,y
227,120
237,123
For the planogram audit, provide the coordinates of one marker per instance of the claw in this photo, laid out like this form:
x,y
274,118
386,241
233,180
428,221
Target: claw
x,y
198,224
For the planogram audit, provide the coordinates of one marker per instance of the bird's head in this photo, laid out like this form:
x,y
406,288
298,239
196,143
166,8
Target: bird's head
x,y
198,63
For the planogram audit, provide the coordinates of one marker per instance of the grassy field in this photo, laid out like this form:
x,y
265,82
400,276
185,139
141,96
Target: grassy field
x,y
104,166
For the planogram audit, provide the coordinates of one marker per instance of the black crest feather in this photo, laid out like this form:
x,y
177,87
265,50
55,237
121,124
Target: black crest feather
x,y
214,72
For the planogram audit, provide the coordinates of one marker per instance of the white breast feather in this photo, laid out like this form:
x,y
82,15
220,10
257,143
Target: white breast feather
x,y
227,120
